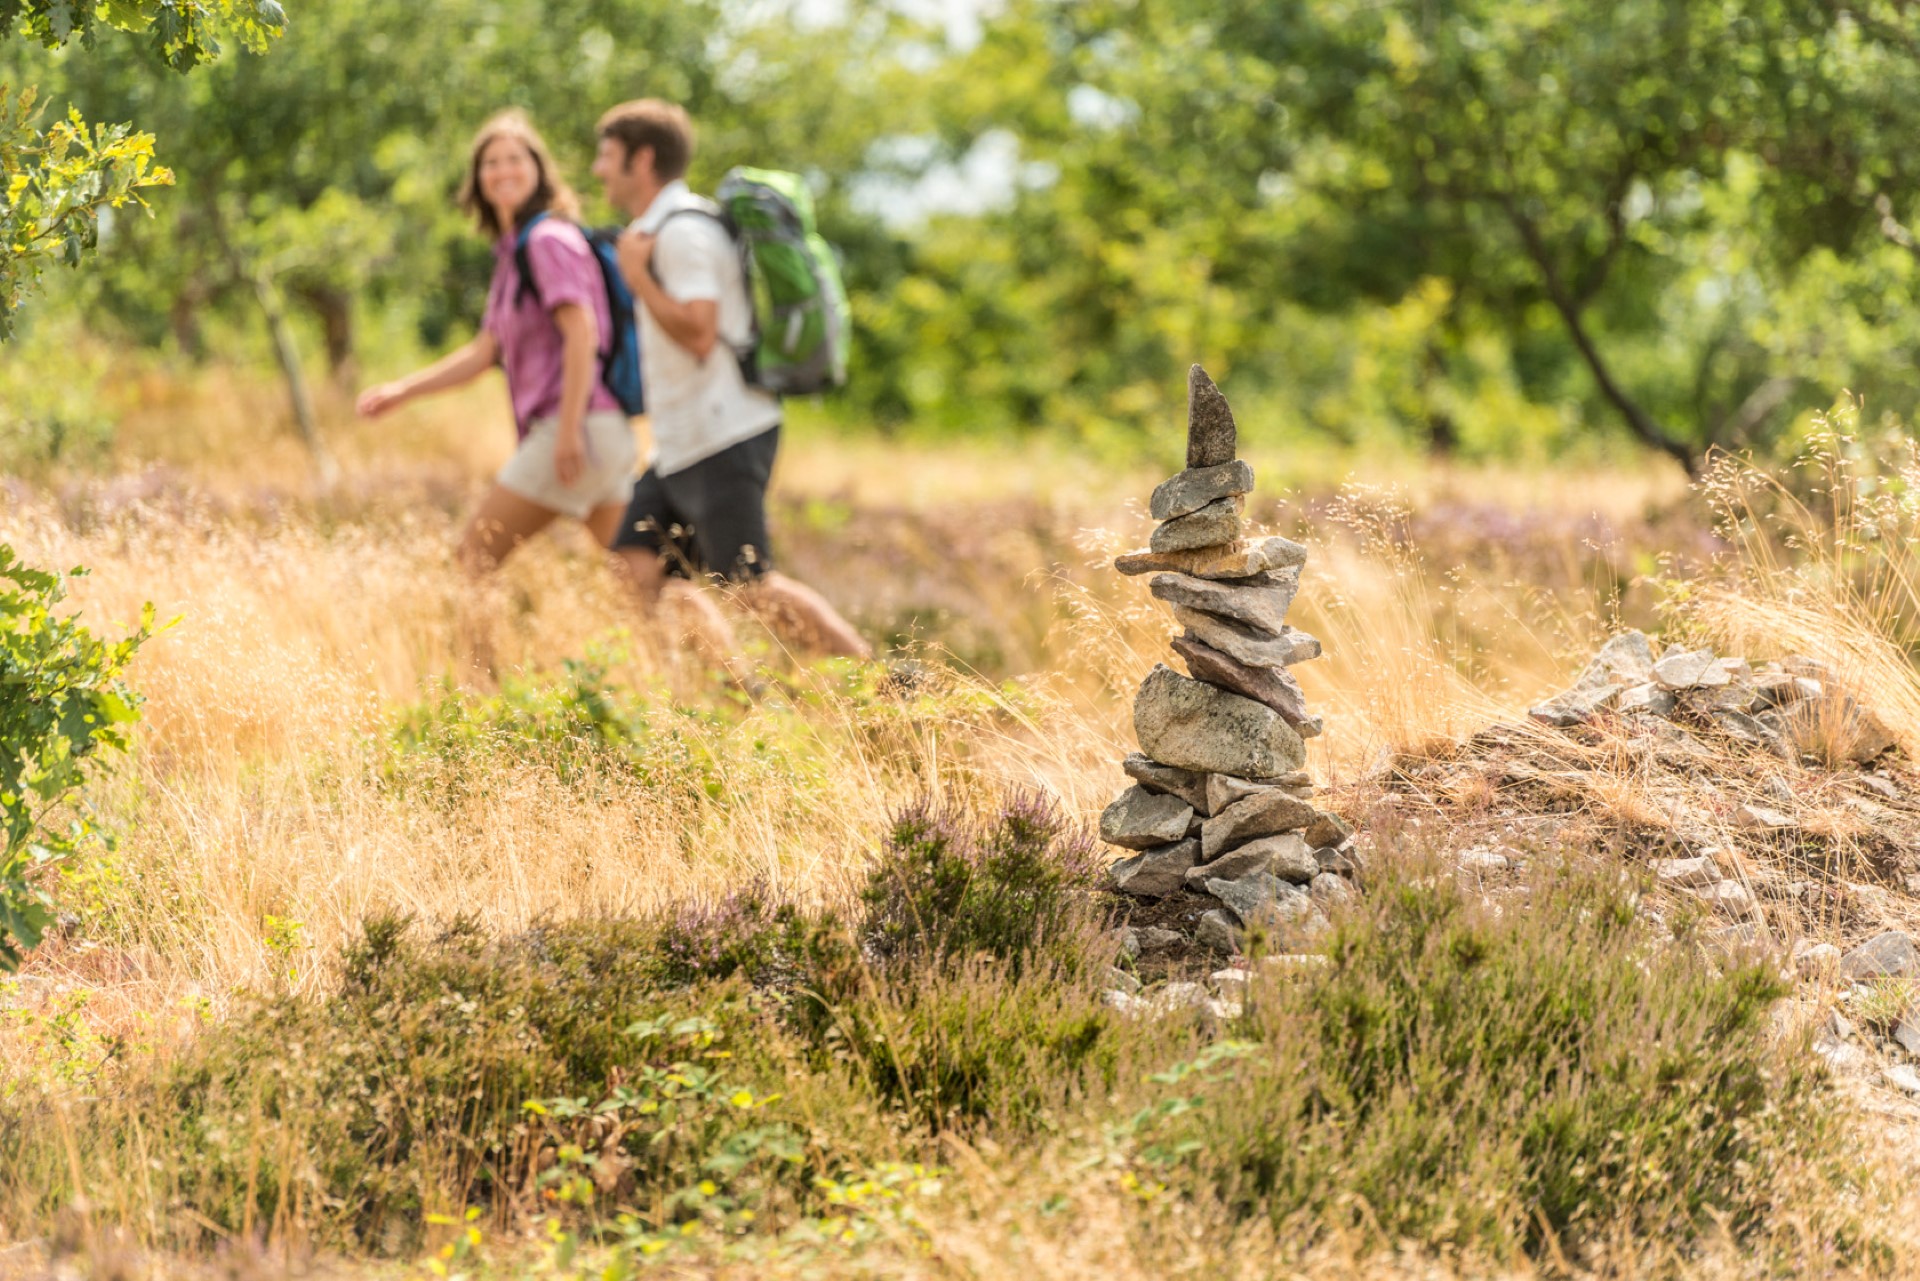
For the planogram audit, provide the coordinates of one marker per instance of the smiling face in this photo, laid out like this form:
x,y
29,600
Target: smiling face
x,y
508,176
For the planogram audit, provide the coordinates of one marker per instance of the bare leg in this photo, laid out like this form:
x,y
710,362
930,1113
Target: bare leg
x,y
603,522
803,616
694,614
504,521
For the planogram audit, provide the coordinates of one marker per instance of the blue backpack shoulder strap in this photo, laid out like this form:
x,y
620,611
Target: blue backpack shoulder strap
x,y
528,285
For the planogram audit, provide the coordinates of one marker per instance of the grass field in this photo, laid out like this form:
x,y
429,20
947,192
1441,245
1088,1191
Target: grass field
x,y
219,1064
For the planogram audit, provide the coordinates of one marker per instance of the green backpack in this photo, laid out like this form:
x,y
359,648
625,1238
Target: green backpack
x,y
802,326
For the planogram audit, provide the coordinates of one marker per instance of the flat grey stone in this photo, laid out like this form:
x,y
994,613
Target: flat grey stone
x,y
1761,817
1884,955
1197,486
1274,686
1626,660
1329,890
1213,525
1264,814
1154,939
1260,602
1285,856
1649,698
1190,725
1327,828
1684,669
1155,777
1218,932
1729,897
1264,902
1817,961
1901,1077
1241,559
1881,787
1155,873
1212,438
1224,789
1120,981
1249,859
1140,820
1906,1033
1754,731
1332,859
1245,644
1686,873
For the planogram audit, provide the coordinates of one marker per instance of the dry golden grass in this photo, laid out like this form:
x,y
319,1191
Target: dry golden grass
x,y
257,799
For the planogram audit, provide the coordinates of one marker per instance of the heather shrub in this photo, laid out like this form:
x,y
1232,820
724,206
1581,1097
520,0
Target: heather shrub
x,y
1508,1079
1014,884
448,1071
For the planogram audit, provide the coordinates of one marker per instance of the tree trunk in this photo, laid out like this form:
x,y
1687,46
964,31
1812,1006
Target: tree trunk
x,y
1636,418
288,354
334,309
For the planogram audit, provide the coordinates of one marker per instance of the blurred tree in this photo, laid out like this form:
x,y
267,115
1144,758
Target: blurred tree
x,y
54,182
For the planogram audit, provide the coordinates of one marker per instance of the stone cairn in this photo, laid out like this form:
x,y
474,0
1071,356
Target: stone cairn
x,y
1220,805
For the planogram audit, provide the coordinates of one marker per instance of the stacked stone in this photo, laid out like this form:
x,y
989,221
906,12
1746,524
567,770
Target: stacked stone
x,y
1220,804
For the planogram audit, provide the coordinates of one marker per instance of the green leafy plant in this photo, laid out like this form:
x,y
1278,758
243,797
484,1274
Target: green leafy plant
x,y
62,700
54,182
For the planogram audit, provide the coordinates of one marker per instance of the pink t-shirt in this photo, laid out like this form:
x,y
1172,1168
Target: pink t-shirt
x,y
531,348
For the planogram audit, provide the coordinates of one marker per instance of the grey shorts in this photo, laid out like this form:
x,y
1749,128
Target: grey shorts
x,y
606,477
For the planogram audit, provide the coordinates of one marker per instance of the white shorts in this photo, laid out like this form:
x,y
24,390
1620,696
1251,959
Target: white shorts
x,y
606,476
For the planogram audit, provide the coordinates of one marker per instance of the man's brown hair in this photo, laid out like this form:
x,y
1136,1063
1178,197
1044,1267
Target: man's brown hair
x,y
551,195
649,122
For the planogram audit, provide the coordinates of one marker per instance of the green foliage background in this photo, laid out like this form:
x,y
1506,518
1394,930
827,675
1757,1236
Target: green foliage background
x,y
1493,227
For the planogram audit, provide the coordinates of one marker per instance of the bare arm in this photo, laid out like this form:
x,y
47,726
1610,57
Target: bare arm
x,y
579,354
694,325
462,365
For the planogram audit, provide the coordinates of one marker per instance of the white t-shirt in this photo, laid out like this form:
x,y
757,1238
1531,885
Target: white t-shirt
x,y
697,407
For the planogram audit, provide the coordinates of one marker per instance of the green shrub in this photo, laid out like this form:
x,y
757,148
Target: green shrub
x,y
1507,1079
1013,885
62,699
406,1093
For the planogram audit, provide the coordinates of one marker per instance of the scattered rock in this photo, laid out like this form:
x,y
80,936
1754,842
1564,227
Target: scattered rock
x,y
1761,817
1686,873
1142,820
1889,954
1879,786
1903,1078
1327,828
1155,873
1624,661
1218,932
1129,942
1155,777
1781,790
1817,961
1216,523
1684,669
1260,602
1335,860
1266,813
1262,899
1212,438
1480,860
1121,981
1906,1033
1154,939
1194,726
1196,487
1730,897
1646,698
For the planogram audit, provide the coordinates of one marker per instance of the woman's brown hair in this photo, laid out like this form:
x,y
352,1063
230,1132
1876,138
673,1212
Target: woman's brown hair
x,y
550,195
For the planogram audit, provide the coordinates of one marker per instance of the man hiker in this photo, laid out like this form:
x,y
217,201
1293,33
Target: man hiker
x,y
700,507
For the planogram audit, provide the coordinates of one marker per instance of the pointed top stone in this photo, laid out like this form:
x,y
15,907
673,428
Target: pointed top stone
x,y
1211,436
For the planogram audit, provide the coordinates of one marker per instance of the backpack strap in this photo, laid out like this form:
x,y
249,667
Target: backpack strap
x,y
523,264
748,356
